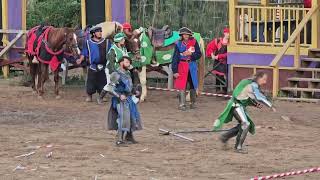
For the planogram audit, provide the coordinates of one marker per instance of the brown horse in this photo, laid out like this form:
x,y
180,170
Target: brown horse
x,y
58,40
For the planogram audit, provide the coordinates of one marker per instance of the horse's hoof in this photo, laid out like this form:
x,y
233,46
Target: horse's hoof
x,y
34,92
58,97
40,97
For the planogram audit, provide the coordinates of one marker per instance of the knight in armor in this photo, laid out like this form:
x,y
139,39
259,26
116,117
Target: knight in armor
x,y
123,115
184,67
246,93
95,52
115,53
217,51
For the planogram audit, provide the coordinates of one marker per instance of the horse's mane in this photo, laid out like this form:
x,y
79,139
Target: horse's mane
x,y
56,37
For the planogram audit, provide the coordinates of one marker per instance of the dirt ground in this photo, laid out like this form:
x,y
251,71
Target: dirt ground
x,y
82,149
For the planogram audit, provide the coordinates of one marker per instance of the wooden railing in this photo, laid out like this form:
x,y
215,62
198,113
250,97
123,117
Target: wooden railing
x,y
269,25
293,38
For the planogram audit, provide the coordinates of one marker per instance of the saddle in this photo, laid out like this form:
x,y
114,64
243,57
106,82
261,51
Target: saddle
x,y
33,38
158,36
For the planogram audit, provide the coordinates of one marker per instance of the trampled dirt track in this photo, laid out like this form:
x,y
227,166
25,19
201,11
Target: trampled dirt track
x,y
82,148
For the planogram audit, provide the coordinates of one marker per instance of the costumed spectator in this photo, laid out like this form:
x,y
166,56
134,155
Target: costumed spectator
x,y
115,53
217,51
307,3
246,93
184,67
123,115
95,52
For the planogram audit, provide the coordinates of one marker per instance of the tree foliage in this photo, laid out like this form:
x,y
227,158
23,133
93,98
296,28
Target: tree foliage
x,y
59,13
207,17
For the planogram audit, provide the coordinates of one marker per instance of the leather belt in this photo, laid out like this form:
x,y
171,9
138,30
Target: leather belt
x,y
186,60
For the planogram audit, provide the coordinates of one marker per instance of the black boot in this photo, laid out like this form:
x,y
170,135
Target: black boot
x,y
130,138
119,137
240,140
101,96
230,134
193,96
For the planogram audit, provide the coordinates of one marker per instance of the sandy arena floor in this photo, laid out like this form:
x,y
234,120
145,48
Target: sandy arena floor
x,y
82,149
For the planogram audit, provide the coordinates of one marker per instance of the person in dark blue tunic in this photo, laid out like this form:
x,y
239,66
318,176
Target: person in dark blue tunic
x,y
123,115
95,51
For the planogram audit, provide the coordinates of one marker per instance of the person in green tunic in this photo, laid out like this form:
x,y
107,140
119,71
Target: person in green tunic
x,y
115,53
246,93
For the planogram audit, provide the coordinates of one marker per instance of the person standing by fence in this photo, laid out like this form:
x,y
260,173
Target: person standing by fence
x,y
95,52
184,67
217,51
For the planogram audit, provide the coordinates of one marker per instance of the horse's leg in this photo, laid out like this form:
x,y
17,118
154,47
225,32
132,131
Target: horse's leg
x,y
143,81
41,77
56,84
168,70
33,73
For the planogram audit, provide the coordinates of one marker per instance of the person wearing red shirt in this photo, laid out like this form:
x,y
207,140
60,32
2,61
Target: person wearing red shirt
x,y
217,51
307,3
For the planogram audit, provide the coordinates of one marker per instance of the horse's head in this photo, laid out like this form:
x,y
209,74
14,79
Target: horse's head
x,y
133,46
71,43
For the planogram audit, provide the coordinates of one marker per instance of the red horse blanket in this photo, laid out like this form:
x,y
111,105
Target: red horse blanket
x,y
37,45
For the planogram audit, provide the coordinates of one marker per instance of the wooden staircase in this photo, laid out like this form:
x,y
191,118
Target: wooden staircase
x,y
305,86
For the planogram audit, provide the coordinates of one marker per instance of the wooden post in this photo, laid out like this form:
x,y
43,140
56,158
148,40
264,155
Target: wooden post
x,y
275,83
5,69
264,14
108,10
83,14
202,66
24,27
297,52
315,42
233,21
128,15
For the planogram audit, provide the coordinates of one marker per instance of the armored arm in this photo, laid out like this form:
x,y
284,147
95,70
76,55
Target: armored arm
x,y
114,80
259,96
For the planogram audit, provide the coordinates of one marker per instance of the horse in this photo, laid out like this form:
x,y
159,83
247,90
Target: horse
x,y
49,43
162,52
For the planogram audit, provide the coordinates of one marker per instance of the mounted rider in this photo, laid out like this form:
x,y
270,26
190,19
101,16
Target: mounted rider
x,y
246,93
95,52
123,115
184,66
115,53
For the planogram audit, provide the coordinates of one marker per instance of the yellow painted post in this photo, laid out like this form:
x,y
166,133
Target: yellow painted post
x,y
264,14
24,26
108,10
128,15
315,42
231,77
275,83
233,21
83,14
5,69
297,52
